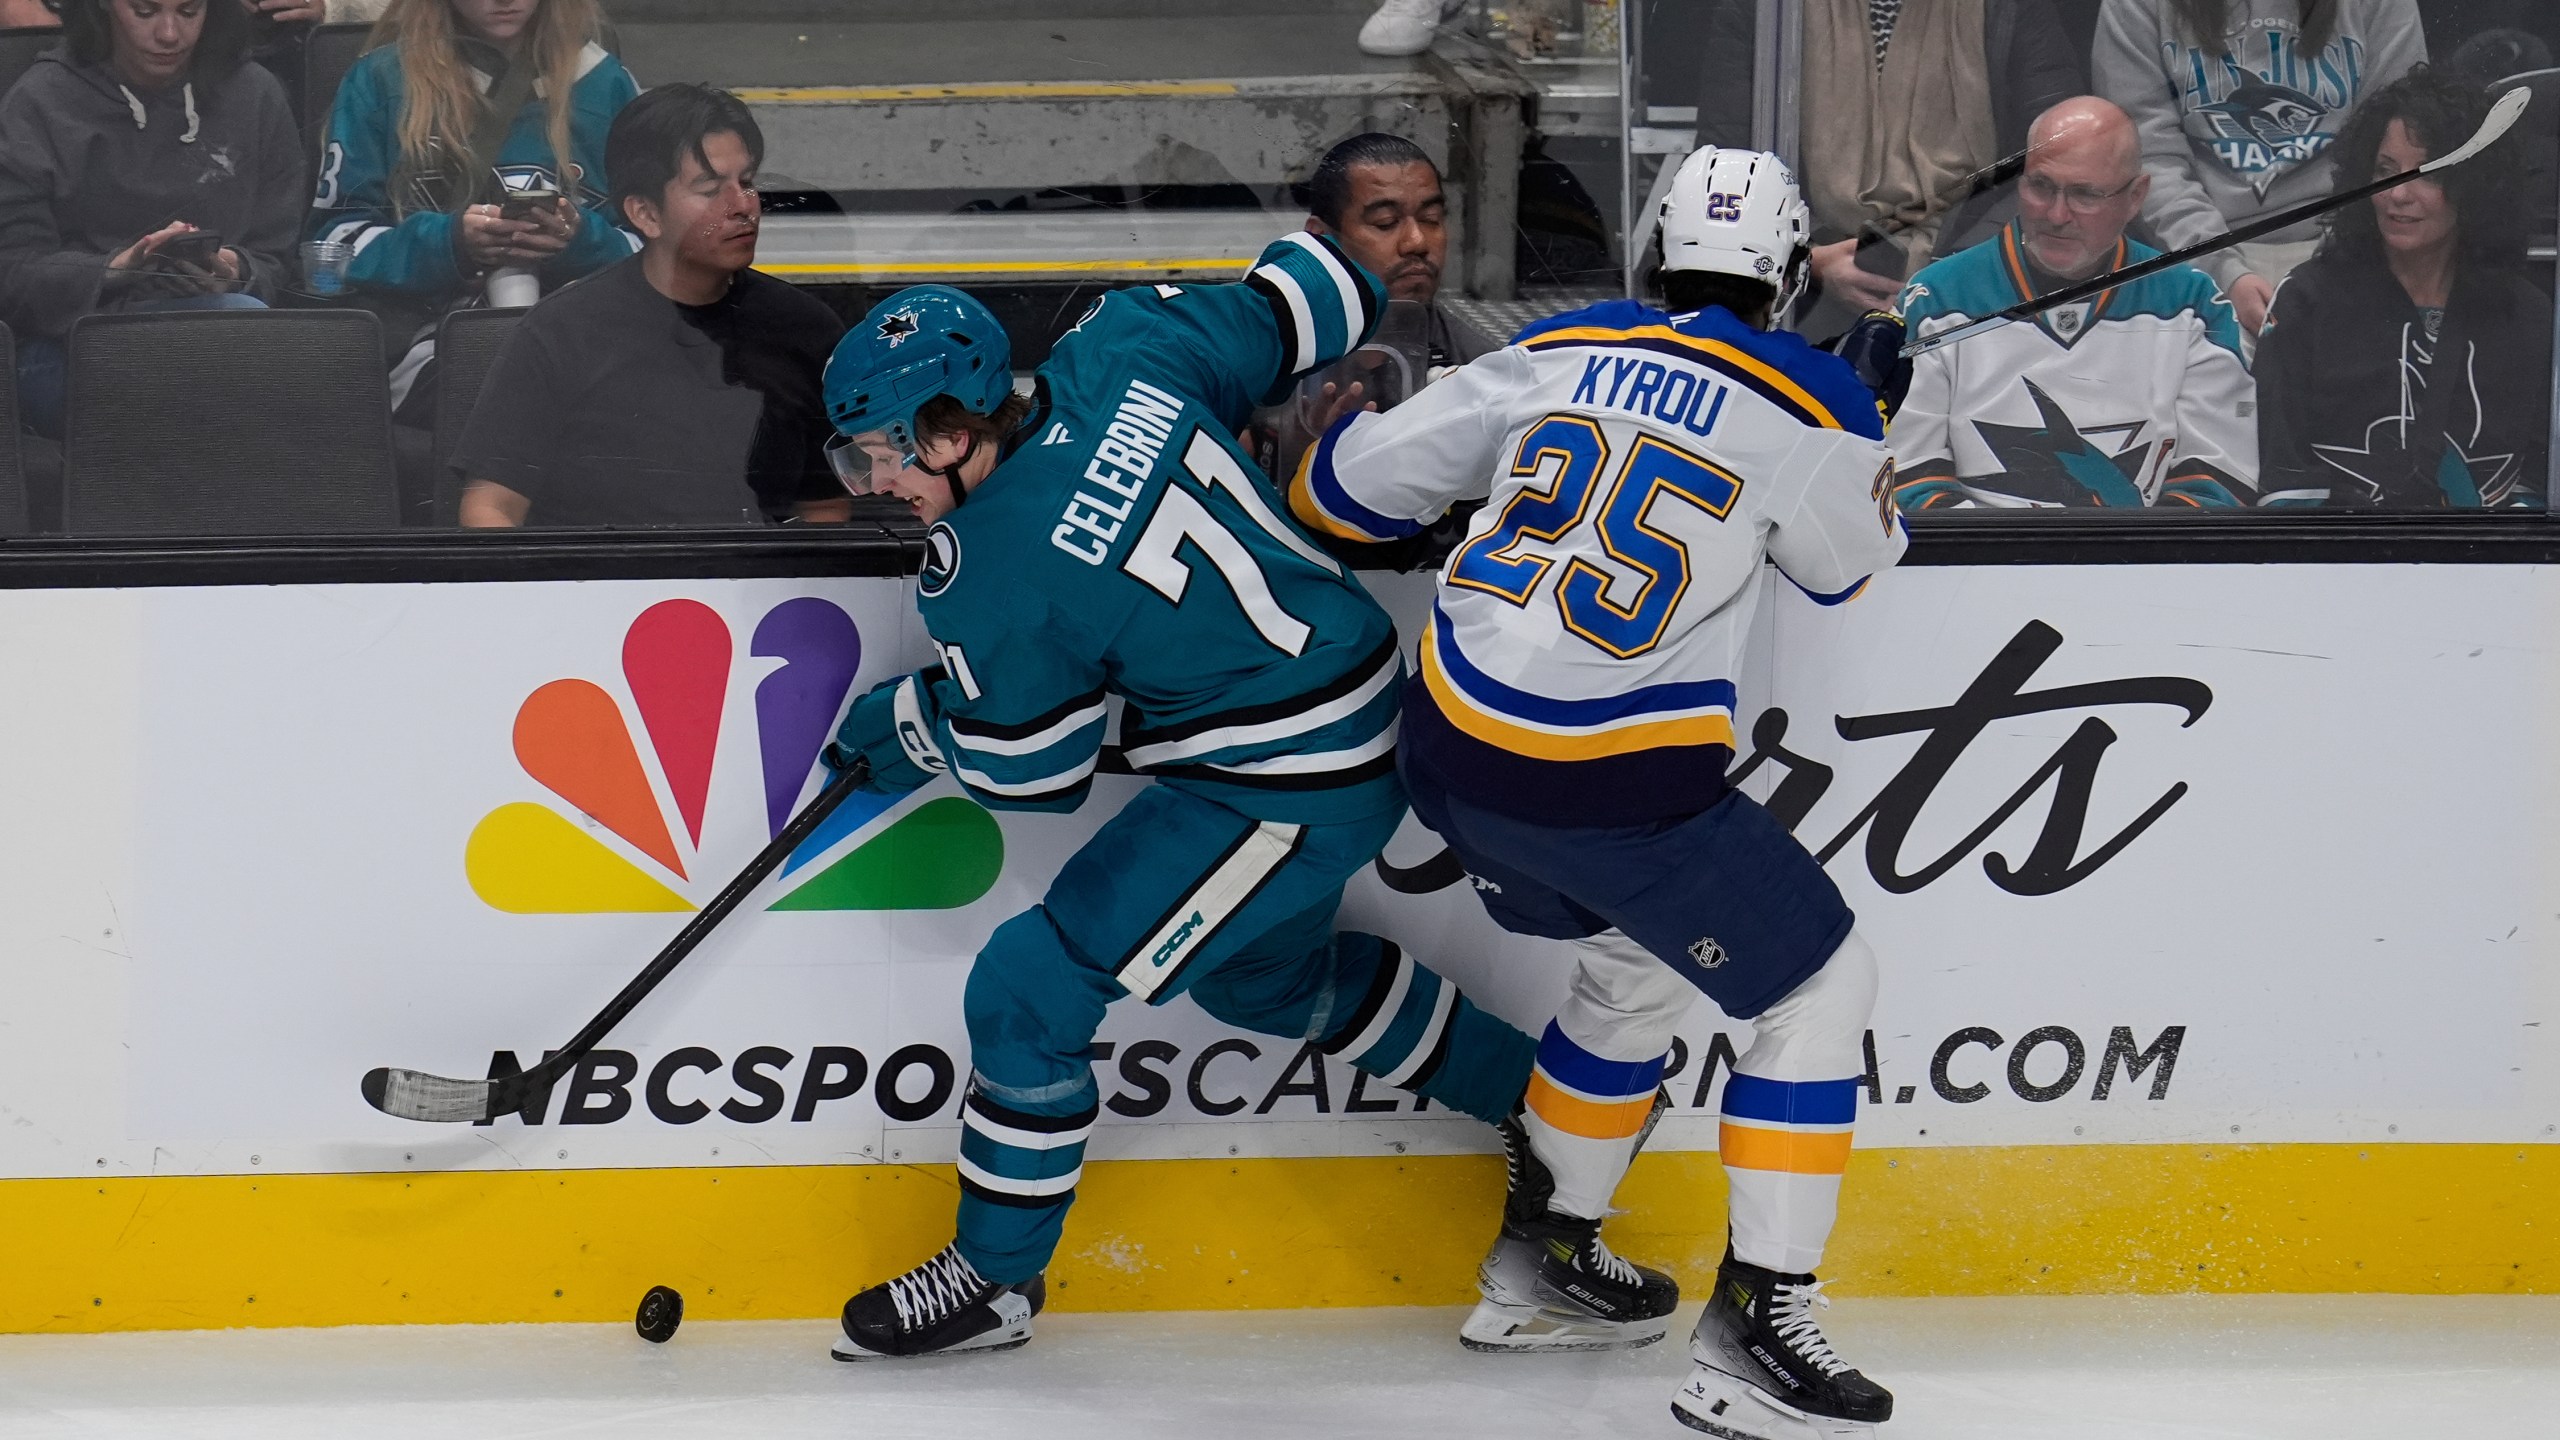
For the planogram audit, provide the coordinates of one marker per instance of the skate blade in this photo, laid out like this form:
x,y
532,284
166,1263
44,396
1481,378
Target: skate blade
x,y
1010,1337
1720,1405
1499,1329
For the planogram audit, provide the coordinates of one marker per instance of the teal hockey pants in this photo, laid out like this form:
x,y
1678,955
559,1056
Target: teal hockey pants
x,y
1179,895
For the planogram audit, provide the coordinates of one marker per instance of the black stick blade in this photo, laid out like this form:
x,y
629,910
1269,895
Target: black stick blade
x,y
416,1095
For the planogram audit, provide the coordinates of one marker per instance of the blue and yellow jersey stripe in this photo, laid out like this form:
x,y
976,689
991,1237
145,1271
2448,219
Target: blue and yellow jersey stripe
x,y
1698,712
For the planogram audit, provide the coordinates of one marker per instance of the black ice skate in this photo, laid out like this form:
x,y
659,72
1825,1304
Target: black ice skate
x,y
1550,1282
1761,1369
941,1307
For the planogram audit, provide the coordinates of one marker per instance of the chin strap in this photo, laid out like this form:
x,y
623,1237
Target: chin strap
x,y
951,473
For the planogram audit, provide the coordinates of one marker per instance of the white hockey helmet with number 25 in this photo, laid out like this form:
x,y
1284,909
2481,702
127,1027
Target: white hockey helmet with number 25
x,y
1739,212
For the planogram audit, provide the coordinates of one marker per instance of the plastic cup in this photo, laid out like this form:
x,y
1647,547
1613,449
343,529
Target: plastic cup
x,y
324,266
510,288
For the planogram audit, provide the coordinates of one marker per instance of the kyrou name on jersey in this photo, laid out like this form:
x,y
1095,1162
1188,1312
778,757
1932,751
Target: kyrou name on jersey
x,y
1131,443
1671,394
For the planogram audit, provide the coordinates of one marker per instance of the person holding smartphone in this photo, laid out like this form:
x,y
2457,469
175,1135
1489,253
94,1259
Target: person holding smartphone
x,y
471,143
142,166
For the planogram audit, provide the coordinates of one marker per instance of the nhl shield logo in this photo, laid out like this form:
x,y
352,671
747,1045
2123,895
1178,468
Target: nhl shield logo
x,y
1707,953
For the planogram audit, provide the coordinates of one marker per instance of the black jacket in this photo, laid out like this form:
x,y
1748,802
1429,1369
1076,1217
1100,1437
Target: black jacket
x,y
2336,425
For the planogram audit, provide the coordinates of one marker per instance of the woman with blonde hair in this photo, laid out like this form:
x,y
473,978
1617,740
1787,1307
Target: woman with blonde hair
x,y
470,143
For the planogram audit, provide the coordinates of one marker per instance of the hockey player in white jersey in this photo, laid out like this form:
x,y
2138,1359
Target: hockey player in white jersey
x,y
1569,732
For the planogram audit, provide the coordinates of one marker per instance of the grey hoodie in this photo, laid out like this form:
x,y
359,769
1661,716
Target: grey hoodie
x,y
88,166
2237,128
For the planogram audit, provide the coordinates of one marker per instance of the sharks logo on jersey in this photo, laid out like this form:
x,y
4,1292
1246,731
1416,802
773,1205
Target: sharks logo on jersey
x,y
2061,462
2265,111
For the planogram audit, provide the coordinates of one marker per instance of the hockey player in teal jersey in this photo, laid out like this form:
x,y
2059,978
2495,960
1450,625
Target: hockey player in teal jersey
x,y
1106,538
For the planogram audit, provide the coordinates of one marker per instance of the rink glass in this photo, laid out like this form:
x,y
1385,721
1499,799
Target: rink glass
x,y
1039,218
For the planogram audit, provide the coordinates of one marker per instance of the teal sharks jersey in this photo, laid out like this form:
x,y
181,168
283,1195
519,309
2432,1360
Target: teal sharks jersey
x,y
1126,546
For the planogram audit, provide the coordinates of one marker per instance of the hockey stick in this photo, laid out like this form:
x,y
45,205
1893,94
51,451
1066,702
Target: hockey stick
x,y
416,1095
2502,117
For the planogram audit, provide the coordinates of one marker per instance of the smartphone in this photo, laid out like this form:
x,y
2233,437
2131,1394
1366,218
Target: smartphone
x,y
527,204
198,248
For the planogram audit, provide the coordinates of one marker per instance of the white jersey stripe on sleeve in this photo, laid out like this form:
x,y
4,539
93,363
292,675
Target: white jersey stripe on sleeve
x,y
1345,285
1028,744
1302,342
1066,779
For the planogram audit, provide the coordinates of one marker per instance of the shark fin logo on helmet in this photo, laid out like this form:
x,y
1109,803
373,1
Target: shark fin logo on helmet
x,y
898,326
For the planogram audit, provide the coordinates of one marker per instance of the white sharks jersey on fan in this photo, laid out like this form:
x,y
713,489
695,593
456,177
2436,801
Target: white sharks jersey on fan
x,y
1638,467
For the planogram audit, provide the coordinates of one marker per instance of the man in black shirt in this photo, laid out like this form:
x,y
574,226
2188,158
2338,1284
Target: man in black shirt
x,y
679,387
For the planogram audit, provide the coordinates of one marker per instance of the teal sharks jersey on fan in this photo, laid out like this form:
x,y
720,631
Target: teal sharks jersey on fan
x,y
1126,547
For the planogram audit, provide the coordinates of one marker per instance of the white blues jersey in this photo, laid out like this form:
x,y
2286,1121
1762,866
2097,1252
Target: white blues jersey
x,y
1580,658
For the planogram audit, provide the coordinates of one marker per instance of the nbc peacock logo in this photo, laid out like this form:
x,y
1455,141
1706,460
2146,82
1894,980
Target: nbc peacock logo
x,y
577,740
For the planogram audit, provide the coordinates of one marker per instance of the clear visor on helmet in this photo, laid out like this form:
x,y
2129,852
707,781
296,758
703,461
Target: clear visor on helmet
x,y
867,462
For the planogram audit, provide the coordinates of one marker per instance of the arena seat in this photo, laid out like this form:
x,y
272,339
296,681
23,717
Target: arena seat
x,y
467,344
328,53
13,470
19,49
259,422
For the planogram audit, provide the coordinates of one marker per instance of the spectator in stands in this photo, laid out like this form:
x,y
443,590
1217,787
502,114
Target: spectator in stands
x,y
142,167
1904,101
679,387
438,147
2237,101
1379,197
2137,397
2408,364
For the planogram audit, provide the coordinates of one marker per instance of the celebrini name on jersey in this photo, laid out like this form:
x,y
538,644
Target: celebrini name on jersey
x,y
1139,430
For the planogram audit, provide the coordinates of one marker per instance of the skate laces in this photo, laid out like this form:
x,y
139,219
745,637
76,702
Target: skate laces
x,y
1791,1315
1598,1256
931,1291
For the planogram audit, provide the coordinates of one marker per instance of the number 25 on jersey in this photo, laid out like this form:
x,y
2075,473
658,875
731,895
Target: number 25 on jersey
x,y
1513,559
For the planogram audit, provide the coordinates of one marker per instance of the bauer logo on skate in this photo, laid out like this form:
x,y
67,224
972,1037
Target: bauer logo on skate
x,y
622,829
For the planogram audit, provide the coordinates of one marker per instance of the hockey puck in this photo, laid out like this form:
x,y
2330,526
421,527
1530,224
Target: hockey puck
x,y
661,1311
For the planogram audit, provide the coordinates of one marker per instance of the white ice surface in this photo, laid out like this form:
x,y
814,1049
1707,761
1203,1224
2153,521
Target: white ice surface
x,y
2182,1368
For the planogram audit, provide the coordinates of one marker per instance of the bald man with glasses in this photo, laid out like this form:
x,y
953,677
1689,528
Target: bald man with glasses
x,y
2140,396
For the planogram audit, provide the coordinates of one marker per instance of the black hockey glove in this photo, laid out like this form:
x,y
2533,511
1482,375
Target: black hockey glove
x,y
1873,348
